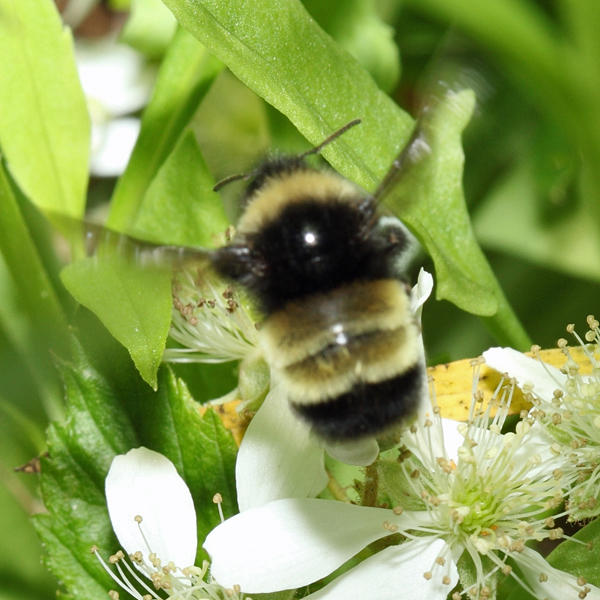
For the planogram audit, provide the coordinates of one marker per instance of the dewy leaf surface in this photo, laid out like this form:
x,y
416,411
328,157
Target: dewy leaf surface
x,y
44,123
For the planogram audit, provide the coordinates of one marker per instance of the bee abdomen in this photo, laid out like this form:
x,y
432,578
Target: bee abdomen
x,y
367,408
361,359
349,360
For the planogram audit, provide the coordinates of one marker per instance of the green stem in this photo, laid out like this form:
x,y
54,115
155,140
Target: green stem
x,y
506,327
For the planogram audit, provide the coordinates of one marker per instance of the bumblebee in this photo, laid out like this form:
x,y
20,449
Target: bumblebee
x,y
324,268
322,264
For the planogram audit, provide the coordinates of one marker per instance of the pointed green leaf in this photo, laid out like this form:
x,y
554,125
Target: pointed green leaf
x,y
429,197
44,123
180,206
133,303
72,482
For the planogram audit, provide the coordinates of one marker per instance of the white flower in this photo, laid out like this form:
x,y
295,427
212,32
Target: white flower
x,y
481,502
153,516
116,82
209,321
566,410
278,449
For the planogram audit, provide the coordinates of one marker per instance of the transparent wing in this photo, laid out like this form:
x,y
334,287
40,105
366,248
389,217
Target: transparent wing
x,y
415,150
91,239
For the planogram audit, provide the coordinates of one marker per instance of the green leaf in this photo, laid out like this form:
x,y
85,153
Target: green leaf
x,y
281,53
44,123
20,548
133,300
150,27
185,75
180,206
430,199
200,447
133,303
567,243
72,481
579,559
107,414
356,26
36,293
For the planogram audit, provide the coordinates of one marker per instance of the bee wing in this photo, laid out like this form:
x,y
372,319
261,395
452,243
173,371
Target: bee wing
x,y
415,150
94,239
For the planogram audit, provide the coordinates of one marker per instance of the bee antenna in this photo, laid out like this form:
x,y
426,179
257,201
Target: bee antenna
x,y
328,140
231,178
315,150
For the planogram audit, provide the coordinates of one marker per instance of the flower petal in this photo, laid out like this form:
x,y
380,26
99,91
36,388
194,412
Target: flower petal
x,y
361,452
395,572
292,542
112,144
557,584
143,482
278,456
113,75
421,291
527,371
453,439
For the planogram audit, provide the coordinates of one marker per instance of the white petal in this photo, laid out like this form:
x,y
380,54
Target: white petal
x,y
113,75
360,452
293,542
421,291
143,482
537,445
112,143
527,371
396,572
278,456
453,440
559,585
427,443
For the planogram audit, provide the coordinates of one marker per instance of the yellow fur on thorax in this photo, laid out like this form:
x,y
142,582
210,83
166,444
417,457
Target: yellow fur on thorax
x,y
280,191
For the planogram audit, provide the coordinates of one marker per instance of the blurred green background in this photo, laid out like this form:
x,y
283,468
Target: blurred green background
x,y
531,180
